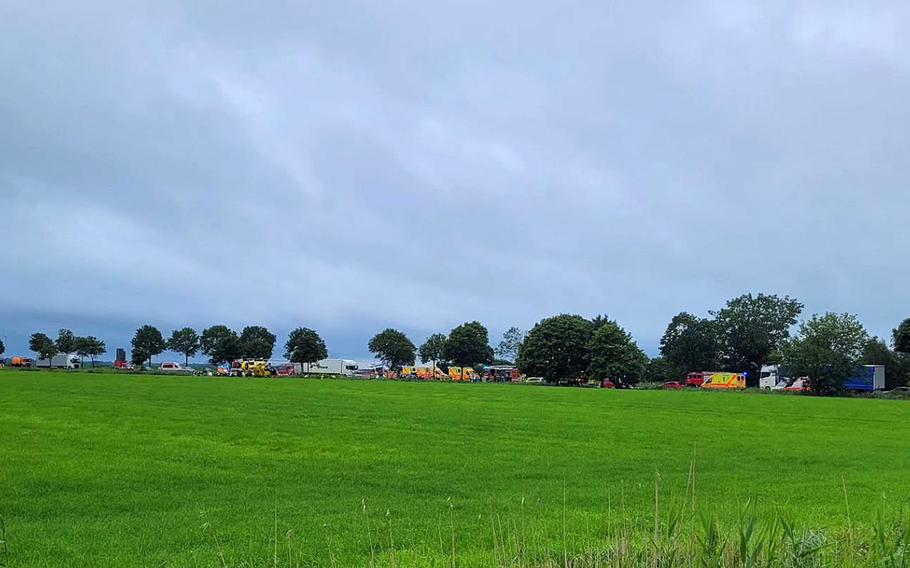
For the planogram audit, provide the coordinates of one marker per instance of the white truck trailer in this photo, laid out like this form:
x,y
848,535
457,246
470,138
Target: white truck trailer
x,y
61,361
345,367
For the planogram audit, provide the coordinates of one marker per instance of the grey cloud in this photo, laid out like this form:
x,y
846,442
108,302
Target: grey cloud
x,y
352,165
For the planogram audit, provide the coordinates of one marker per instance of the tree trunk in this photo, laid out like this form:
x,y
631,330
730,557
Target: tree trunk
x,y
186,359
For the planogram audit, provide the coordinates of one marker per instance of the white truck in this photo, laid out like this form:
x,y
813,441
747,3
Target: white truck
x,y
866,378
61,361
345,367
772,378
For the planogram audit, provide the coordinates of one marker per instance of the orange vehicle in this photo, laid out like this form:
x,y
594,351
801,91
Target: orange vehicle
x,y
725,381
425,373
21,362
462,373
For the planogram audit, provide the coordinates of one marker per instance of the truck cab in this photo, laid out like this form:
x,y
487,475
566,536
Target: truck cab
x,y
772,377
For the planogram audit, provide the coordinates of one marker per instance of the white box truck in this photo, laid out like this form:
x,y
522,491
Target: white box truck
x,y
345,367
61,361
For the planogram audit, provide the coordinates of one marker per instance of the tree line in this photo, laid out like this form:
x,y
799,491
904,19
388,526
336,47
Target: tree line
x,y
221,344
747,333
66,343
750,331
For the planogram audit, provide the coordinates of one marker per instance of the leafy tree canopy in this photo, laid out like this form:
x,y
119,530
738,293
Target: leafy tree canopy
x,y
90,346
614,355
256,342
433,349
393,348
689,344
305,346
827,349
66,341
511,342
659,371
556,348
221,344
42,345
469,345
902,337
185,341
750,327
147,343
2,347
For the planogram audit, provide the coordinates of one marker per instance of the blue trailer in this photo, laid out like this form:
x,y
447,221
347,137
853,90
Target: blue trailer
x,y
868,378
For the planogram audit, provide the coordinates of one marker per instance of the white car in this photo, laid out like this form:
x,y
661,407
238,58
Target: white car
x,y
172,367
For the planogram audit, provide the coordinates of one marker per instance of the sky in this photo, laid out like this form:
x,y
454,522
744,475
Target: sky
x,y
352,166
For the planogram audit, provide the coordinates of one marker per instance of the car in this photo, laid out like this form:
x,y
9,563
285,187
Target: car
x,y
175,368
607,384
674,385
535,380
898,392
286,370
799,385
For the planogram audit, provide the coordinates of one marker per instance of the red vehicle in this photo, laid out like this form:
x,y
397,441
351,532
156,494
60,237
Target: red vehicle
x,y
674,385
799,385
696,379
607,384
285,370
122,365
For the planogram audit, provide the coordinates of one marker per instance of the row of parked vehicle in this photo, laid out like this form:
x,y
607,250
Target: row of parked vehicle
x,y
868,378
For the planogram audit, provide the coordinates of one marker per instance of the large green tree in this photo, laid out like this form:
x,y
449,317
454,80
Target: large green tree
x,y
66,341
90,347
43,346
468,345
659,371
146,343
305,346
510,344
751,327
556,348
184,341
256,342
689,344
827,349
80,348
433,349
902,337
393,348
613,354
221,344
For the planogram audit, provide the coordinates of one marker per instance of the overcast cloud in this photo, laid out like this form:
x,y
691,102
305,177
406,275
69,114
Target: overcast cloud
x,y
355,165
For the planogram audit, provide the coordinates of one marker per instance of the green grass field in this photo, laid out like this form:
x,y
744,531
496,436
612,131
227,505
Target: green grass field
x,y
119,470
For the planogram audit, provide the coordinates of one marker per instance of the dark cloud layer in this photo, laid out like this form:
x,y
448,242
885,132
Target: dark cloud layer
x,y
350,165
